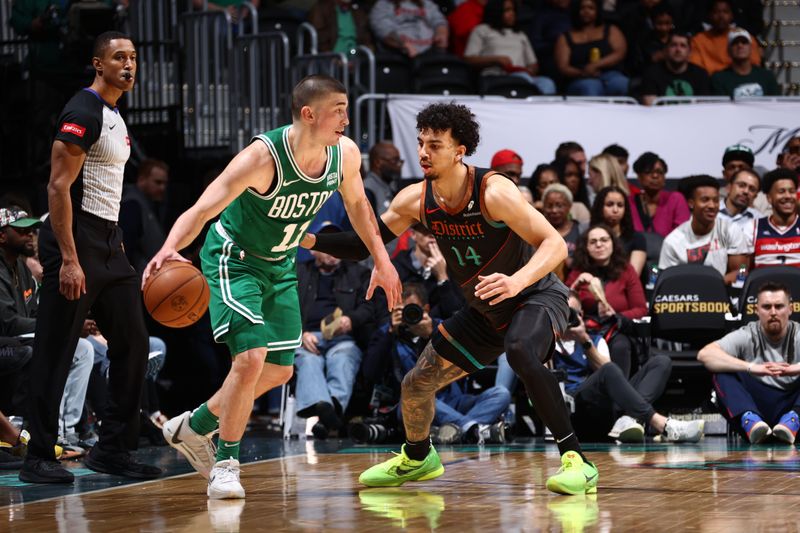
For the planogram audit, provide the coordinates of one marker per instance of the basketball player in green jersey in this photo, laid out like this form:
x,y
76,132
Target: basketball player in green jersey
x,y
268,196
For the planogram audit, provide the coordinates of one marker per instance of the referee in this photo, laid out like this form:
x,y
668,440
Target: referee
x,y
85,269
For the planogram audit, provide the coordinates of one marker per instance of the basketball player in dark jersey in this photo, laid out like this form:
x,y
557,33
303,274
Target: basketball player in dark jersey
x,y
486,231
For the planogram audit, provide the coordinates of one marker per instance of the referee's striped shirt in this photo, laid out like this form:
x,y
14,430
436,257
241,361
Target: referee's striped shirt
x,y
97,127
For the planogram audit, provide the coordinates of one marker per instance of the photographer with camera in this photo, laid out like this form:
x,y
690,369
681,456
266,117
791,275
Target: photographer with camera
x,y
460,416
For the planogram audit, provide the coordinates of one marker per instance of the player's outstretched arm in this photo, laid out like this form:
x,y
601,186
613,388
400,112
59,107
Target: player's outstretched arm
x,y
363,219
252,167
505,203
401,214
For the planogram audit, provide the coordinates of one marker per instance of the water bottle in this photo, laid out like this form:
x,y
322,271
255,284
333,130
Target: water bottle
x,y
652,276
740,277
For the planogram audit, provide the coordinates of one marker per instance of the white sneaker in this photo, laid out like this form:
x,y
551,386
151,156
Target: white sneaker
x,y
224,481
198,449
627,429
683,430
225,515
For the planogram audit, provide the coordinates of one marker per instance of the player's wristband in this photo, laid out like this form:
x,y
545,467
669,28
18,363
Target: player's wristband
x,y
587,345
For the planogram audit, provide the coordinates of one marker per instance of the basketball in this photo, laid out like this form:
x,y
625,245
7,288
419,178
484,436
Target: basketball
x,y
176,295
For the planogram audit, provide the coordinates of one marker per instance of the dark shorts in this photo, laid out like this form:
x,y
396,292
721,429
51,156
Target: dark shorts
x,y
471,341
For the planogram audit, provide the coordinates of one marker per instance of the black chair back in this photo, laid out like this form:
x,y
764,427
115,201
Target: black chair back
x,y
786,275
688,305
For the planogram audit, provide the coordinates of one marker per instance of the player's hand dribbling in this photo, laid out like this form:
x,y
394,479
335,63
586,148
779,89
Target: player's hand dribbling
x,y
71,280
496,286
385,275
163,255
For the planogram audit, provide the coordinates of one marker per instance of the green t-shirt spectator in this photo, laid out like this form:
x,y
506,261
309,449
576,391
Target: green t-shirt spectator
x,y
347,38
760,82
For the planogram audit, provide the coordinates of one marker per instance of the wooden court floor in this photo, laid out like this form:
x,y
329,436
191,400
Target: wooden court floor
x,y
308,486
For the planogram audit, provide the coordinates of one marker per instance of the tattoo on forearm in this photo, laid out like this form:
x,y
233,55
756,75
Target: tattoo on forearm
x,y
431,373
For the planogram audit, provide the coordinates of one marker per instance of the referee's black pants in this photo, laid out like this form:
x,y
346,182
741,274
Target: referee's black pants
x,y
114,298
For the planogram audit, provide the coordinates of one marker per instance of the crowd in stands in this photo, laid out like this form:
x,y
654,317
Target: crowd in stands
x,y
644,48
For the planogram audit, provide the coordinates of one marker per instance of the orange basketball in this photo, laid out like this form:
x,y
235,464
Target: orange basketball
x,y
176,295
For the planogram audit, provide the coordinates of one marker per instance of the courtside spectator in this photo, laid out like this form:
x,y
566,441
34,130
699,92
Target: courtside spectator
x,y
612,209
509,163
142,227
556,204
736,207
604,171
609,290
621,154
742,78
740,157
647,26
337,323
543,176
790,155
656,209
755,370
575,152
603,395
705,238
710,47
777,238
383,178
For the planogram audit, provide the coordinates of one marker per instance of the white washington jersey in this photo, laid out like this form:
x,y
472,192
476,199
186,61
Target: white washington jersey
x,y
98,129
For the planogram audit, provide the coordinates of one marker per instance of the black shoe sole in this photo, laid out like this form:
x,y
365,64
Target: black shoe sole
x,y
103,468
29,477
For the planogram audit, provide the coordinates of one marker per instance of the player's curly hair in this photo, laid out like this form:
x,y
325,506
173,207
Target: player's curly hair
x,y
454,117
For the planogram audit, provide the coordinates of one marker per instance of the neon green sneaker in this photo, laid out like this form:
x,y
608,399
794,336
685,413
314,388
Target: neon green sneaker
x,y
400,468
574,477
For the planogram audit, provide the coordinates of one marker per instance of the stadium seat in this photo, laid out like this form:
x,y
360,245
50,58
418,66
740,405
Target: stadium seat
x,y
789,276
392,74
508,86
443,74
687,307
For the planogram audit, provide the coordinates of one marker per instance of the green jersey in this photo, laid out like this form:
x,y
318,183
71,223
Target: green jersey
x,y
272,225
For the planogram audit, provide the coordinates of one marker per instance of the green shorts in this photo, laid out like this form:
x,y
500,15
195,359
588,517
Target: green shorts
x,y
254,302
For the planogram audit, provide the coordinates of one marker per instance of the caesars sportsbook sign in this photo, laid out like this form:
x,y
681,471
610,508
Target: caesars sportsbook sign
x,y
690,137
686,304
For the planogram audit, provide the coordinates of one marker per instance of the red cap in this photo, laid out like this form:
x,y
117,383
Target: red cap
x,y
504,157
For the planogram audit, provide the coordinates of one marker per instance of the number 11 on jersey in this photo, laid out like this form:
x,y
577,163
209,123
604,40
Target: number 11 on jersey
x,y
291,236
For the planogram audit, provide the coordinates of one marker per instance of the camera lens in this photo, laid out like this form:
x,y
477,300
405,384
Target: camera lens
x,y
412,314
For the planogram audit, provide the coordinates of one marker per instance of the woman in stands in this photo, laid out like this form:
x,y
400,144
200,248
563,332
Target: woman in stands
x,y
654,209
546,175
498,47
556,203
590,54
604,170
611,208
609,289
569,173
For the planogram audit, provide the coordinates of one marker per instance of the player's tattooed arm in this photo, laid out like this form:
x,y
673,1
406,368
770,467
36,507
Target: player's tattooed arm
x,y
431,373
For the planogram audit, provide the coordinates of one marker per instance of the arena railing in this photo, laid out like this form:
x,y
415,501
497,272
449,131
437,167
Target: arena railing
x,y
672,100
306,29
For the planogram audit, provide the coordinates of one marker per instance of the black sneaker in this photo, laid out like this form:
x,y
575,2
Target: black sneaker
x,y
35,470
9,461
119,464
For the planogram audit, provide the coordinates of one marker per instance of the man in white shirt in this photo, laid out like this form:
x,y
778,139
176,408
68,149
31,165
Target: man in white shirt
x,y
705,238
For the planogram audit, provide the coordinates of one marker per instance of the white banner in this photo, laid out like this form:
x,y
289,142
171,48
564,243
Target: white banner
x,y
691,138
